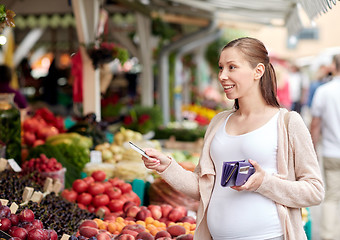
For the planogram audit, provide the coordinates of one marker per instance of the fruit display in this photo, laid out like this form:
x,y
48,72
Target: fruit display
x,y
149,223
58,214
43,167
41,164
12,185
70,149
113,153
71,139
127,164
40,126
24,225
52,210
94,193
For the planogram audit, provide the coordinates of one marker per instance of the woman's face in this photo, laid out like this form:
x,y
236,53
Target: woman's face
x,y
236,75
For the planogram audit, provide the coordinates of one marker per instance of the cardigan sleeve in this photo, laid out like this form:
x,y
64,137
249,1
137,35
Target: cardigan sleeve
x,y
187,181
182,180
303,186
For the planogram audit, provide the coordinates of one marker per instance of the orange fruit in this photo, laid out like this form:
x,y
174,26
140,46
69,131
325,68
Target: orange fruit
x,y
112,227
149,220
120,219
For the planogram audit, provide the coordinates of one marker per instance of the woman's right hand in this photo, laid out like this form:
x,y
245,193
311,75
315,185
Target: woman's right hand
x,y
157,161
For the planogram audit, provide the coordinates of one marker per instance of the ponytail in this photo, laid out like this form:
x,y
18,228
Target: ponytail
x,y
268,85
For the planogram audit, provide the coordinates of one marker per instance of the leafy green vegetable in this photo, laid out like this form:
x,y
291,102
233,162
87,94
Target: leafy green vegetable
x,y
187,135
10,131
2,13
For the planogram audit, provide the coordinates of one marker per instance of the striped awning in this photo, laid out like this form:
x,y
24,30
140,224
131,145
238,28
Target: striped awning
x,y
268,12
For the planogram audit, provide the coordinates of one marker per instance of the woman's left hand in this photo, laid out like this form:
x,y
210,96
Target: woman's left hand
x,y
254,180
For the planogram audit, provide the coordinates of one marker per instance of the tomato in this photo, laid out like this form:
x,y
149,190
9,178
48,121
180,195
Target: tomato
x,y
107,185
100,200
81,206
96,188
125,187
116,181
99,175
114,192
116,205
110,216
106,210
91,208
132,196
69,195
79,186
88,180
84,198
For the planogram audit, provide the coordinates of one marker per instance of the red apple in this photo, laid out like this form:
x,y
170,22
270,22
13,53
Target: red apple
x,y
5,224
14,219
26,215
52,234
18,232
37,234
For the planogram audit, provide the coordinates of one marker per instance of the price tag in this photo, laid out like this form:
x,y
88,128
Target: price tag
x,y
37,197
3,164
57,187
65,237
96,156
14,165
4,202
48,186
14,207
28,192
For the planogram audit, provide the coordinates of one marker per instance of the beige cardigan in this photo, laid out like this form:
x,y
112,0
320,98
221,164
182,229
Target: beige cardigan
x,y
298,183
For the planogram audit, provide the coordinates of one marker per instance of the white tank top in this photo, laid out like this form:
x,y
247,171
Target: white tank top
x,y
244,215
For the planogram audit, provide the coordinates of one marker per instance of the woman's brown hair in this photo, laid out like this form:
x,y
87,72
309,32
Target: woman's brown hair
x,y
255,52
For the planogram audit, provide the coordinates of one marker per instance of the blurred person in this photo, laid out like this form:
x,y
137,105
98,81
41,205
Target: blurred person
x,y
275,141
326,123
5,80
298,88
323,75
50,83
283,94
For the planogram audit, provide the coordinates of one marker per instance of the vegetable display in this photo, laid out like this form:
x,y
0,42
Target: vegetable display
x,y
10,128
72,155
